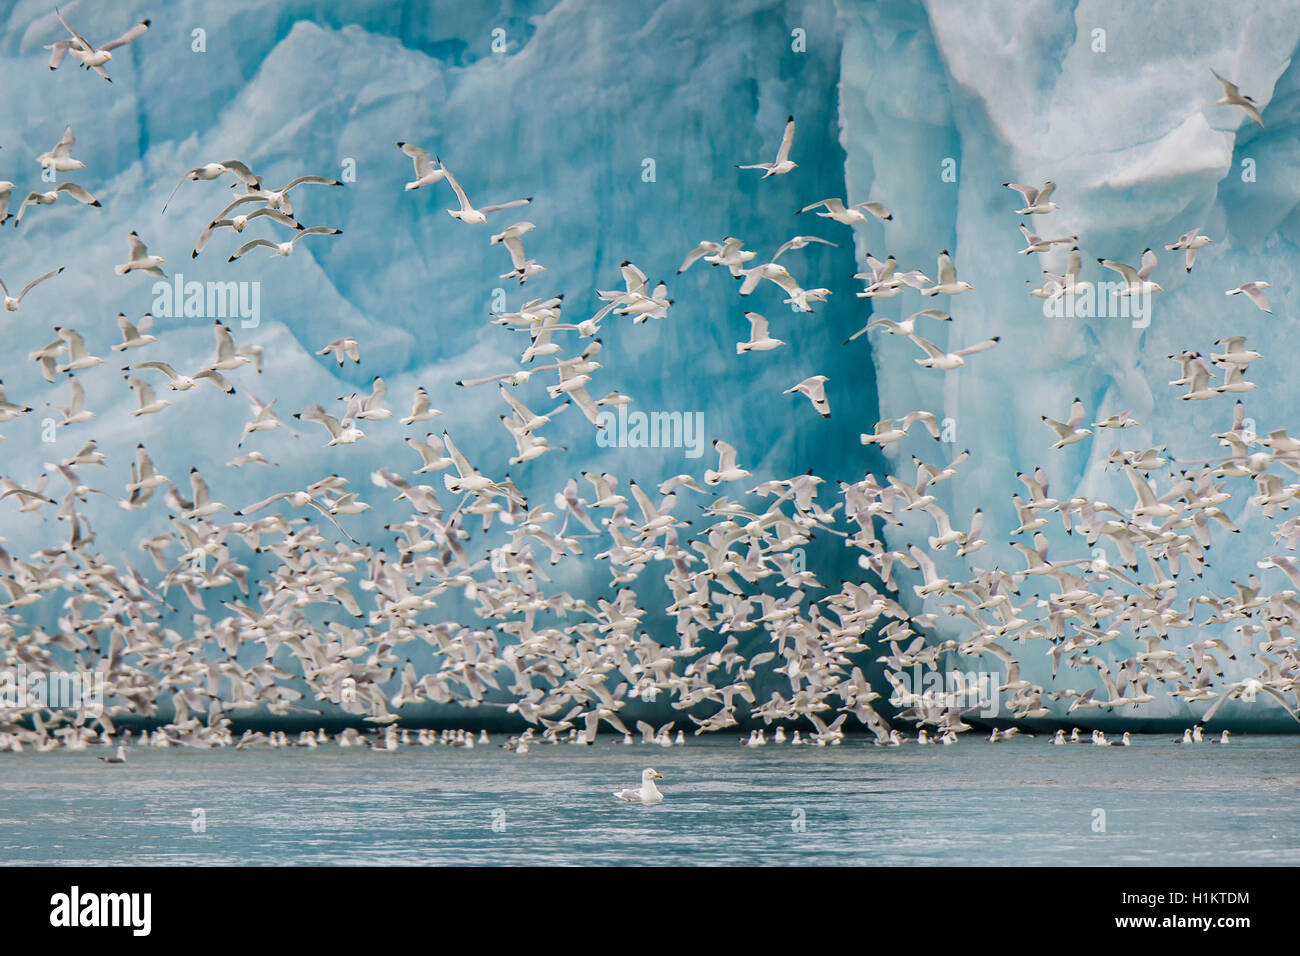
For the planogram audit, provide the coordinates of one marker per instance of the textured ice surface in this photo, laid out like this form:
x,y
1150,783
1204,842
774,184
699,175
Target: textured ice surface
x,y
885,92
1139,157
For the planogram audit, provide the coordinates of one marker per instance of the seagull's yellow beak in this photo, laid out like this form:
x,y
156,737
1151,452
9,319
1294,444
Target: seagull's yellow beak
x,y
659,776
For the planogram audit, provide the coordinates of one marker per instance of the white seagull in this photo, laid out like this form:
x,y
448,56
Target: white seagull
x,y
134,336
78,358
278,199
1069,431
343,347
183,383
149,403
1137,281
524,267
815,389
285,248
936,357
426,173
1190,241
759,338
783,163
12,302
1234,97
421,409
210,171
345,432
59,159
646,793
91,56
727,468
777,273
1036,198
1254,291
906,327
237,224
1036,243
848,215
51,197
140,260
730,252
467,213
75,412
947,283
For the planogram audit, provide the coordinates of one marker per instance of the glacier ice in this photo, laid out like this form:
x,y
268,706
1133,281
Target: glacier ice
x,y
585,93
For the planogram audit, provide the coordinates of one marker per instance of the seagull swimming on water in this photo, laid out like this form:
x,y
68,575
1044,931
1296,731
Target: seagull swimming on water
x,y
647,792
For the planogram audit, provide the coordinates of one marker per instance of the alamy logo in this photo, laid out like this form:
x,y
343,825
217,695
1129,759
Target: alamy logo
x,y
950,688
652,430
208,300
74,908
56,690
1100,300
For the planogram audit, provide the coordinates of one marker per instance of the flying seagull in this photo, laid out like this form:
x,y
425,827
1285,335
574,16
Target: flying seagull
x,y
91,57
783,162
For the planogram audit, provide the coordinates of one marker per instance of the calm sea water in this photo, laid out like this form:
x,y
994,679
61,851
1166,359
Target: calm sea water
x,y
1023,802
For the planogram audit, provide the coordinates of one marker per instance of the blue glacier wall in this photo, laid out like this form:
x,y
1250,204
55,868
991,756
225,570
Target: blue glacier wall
x,y
585,92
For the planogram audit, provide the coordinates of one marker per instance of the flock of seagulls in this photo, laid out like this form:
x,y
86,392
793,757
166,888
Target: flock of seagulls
x,y
304,576
89,56
389,740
